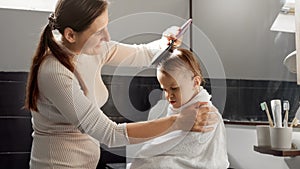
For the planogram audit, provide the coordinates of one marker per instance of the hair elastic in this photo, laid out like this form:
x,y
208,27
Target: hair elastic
x,y
52,21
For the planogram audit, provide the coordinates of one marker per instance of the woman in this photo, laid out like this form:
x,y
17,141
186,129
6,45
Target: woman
x,y
65,102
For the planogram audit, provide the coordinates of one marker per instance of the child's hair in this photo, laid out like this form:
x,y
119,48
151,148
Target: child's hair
x,y
181,60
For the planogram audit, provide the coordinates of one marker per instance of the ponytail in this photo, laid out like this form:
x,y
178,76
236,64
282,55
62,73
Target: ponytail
x,y
78,15
46,45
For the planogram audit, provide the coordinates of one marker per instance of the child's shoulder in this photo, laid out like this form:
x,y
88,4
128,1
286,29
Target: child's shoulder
x,y
159,110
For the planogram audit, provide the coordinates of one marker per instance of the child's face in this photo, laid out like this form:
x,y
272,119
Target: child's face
x,y
178,90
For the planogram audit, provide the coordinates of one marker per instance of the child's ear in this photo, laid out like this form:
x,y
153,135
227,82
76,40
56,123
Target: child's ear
x,y
70,35
197,81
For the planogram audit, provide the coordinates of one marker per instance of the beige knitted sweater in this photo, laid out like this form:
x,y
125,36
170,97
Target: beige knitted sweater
x,y
70,125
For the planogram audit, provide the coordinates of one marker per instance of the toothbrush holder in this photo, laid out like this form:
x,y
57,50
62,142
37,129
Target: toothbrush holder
x,y
281,137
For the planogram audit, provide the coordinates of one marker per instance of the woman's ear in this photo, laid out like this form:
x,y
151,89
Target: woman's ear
x,y
197,81
70,35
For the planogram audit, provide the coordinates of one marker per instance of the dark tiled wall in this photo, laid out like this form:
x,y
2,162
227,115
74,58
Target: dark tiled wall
x,y
132,97
15,122
130,100
244,97
16,127
237,99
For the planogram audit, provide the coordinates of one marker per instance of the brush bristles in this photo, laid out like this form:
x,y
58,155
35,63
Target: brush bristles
x,y
263,106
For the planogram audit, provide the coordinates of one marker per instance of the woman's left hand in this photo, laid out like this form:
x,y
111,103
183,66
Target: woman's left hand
x,y
206,118
199,117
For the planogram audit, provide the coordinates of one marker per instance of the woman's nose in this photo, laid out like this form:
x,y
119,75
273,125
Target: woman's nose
x,y
106,36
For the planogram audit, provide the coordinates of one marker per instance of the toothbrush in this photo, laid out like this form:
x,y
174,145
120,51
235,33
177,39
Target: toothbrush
x,y
264,107
286,108
294,122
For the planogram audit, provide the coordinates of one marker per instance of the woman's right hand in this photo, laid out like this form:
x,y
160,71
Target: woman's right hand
x,y
170,34
199,117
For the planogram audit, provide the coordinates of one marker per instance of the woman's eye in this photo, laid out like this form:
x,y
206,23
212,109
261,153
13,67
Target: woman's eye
x,y
98,33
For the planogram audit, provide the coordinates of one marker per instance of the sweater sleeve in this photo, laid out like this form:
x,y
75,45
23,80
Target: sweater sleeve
x,y
120,54
60,86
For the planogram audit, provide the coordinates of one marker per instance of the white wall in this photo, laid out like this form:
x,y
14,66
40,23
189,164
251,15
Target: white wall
x,y
131,21
240,32
143,21
240,142
19,35
234,42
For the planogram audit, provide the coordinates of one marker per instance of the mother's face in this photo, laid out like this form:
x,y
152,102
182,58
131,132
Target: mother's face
x,y
89,41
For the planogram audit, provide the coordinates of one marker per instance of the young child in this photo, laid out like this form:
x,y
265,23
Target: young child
x,y
180,78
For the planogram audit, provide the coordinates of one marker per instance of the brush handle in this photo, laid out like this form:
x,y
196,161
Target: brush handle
x,y
286,118
294,122
183,28
269,116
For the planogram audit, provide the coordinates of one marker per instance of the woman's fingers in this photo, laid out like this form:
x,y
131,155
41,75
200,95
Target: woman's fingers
x,y
203,129
170,34
199,117
201,104
208,120
206,117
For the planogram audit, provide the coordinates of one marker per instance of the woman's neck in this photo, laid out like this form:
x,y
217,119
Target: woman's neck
x,y
70,47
